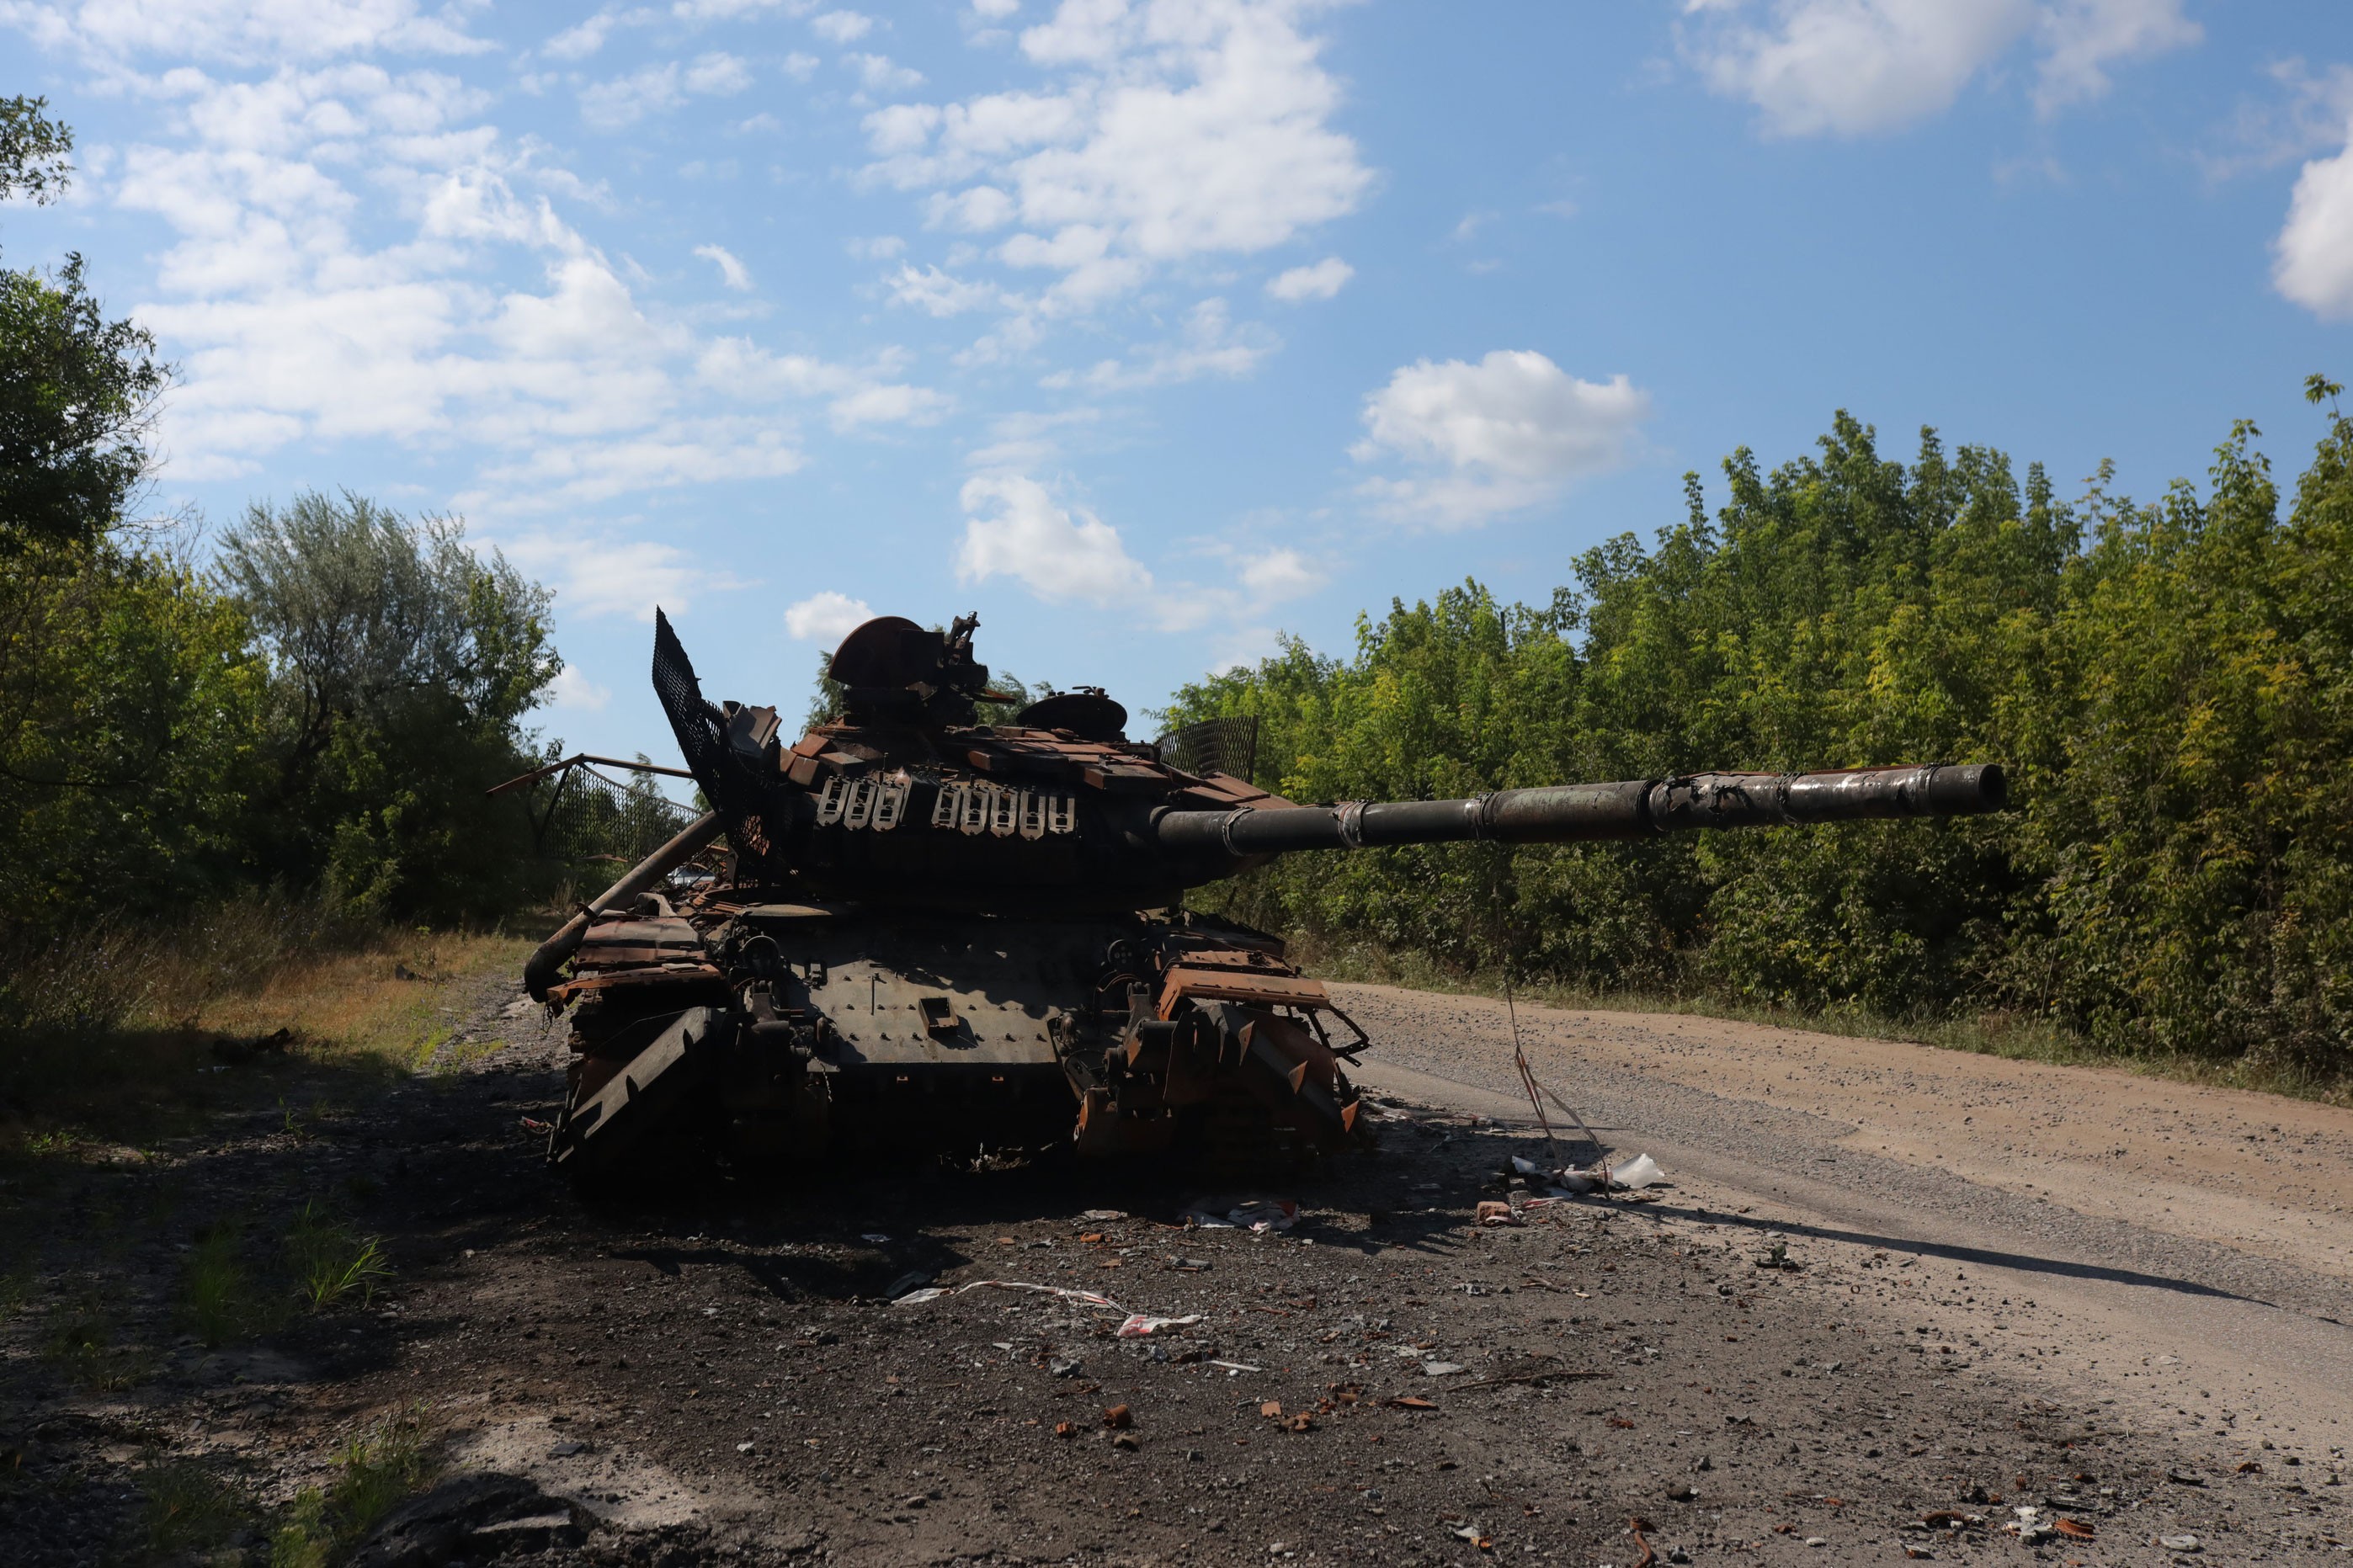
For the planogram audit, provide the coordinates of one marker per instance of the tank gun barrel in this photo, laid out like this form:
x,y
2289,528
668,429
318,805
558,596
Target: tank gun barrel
x,y
1566,813
539,969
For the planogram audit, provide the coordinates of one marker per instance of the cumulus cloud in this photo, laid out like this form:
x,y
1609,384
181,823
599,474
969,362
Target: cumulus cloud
x,y
1013,528
572,690
826,617
878,73
856,395
1480,440
1320,281
1210,345
335,228
624,100
935,294
840,27
2312,257
1854,66
581,40
605,576
1172,130
731,271
242,32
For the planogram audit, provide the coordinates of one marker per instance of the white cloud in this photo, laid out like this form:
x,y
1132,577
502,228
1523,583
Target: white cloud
x,y
731,271
826,617
1319,281
243,32
1177,129
1210,345
1013,528
1275,575
855,396
801,67
602,576
2312,257
574,691
974,211
1853,66
1507,433
876,73
625,100
935,294
994,10
2308,115
840,27
332,229
2082,37
581,40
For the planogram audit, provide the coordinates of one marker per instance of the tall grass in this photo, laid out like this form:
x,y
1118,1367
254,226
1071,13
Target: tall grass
x,y
120,1034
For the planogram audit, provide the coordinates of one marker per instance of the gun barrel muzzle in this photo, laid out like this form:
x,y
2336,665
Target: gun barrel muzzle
x,y
1568,813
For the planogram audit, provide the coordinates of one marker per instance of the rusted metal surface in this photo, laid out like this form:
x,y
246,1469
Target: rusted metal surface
x,y
922,928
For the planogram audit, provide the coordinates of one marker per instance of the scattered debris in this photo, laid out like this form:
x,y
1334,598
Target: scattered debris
x,y
1088,1298
1139,1324
1259,1214
1493,1213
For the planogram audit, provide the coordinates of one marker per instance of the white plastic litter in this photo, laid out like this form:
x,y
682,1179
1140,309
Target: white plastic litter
x,y
1636,1174
1139,1324
933,1293
1259,1214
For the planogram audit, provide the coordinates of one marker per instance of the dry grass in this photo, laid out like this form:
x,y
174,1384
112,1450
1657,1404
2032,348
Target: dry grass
x,y
136,1039
2012,1036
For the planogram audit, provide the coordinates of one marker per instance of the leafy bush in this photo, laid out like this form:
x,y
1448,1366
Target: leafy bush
x,y
2170,685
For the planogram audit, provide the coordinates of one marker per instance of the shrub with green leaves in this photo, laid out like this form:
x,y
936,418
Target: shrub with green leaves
x,y
2171,684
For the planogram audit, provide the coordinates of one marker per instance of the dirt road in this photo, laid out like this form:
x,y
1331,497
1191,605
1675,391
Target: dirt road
x,y
2188,1251
1820,1342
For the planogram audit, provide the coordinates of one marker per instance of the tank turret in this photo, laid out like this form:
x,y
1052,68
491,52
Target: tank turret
x,y
905,799
941,928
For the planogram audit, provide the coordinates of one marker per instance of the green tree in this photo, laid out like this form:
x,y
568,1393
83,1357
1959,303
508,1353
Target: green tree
x,y
402,665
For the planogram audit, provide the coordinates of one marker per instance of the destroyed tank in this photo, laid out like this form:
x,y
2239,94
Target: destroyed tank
x,y
908,928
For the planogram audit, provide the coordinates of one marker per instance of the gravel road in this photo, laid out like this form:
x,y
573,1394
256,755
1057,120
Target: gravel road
x,y
1817,1342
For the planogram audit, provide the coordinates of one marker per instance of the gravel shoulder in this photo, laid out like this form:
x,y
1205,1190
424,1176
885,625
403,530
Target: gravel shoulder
x,y
723,1375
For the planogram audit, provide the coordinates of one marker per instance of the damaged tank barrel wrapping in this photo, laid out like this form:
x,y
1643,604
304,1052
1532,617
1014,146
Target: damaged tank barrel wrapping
x,y
910,928
1566,814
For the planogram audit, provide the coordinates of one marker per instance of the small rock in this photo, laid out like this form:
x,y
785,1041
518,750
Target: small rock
x,y
1066,1367
1441,1368
1679,1493
2181,1543
1816,1541
566,1449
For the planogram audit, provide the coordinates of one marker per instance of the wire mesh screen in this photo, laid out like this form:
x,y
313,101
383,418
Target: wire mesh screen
x,y
1214,746
583,816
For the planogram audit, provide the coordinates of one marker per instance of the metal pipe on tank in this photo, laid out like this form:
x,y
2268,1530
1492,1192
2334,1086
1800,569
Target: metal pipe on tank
x,y
539,971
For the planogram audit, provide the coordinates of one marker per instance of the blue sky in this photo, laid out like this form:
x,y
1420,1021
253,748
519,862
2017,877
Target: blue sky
x,y
1151,328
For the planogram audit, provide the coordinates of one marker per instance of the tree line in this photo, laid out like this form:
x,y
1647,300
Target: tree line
x,y
2171,684
316,708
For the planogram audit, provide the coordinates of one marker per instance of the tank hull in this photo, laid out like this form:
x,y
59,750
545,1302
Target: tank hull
x,y
755,1034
